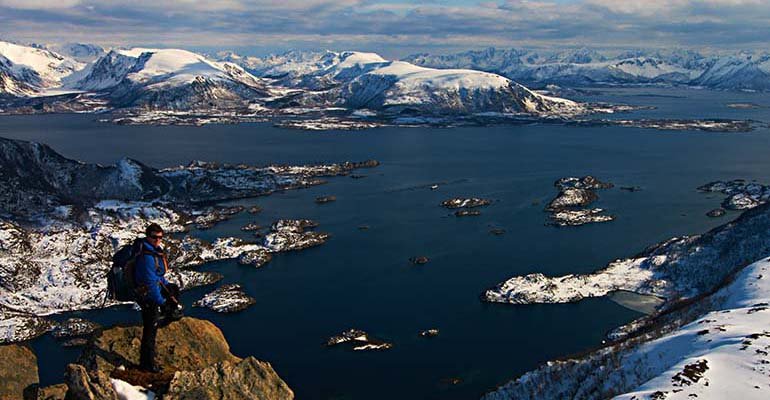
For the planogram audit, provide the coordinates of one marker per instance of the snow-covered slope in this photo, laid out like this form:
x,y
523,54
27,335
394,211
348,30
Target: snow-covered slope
x,y
83,52
580,66
26,70
721,354
743,71
367,81
171,79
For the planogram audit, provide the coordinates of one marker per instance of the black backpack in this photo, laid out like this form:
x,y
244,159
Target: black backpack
x,y
121,284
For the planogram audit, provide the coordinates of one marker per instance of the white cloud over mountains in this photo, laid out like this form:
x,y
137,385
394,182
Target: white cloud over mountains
x,y
392,24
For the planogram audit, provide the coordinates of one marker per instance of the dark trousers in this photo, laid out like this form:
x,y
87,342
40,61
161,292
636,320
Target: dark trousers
x,y
151,314
150,317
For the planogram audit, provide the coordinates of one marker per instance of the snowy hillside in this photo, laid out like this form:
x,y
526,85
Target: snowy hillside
x,y
367,81
721,354
26,70
170,79
579,66
744,71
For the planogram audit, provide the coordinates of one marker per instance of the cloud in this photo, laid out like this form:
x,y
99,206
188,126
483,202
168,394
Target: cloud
x,y
393,25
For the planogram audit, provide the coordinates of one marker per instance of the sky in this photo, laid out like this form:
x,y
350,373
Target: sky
x,y
393,28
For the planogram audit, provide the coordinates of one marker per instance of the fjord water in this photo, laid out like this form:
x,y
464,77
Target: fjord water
x,y
363,279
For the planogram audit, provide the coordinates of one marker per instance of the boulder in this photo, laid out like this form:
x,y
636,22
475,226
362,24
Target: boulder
x,y
53,392
189,344
18,372
245,379
196,362
88,385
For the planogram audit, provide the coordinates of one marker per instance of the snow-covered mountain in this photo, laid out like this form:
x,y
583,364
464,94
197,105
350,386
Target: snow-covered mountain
x,y
577,67
27,70
170,79
83,52
743,71
358,80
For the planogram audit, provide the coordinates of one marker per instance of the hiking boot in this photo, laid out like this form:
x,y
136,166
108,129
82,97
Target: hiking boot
x,y
153,368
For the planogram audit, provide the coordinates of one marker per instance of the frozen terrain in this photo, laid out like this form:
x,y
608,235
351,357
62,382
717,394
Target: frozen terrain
x,y
58,235
722,353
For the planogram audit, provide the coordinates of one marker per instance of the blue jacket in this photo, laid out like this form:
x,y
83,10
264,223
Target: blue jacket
x,y
148,277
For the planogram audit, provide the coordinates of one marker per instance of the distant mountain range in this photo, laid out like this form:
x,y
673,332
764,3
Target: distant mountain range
x,y
586,67
180,80
82,78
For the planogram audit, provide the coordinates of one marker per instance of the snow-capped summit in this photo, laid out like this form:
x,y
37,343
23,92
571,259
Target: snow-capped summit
x,y
27,70
743,71
367,81
83,52
170,79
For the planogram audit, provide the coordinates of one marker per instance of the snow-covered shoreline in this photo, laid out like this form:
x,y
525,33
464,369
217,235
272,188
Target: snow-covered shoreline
x,y
58,234
716,348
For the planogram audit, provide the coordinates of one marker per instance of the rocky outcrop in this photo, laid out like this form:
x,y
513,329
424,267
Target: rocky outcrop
x,y
246,379
196,363
189,343
18,372
90,385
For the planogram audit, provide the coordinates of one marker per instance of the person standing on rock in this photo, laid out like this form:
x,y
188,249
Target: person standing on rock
x,y
155,295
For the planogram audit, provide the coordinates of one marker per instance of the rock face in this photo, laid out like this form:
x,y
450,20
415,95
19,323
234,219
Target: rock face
x,y
196,354
190,343
18,372
91,385
245,379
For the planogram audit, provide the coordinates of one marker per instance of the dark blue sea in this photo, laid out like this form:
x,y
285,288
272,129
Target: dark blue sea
x,y
363,278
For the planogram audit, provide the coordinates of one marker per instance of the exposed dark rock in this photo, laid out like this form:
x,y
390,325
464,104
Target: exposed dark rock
x,y
226,299
631,188
459,202
214,215
53,392
251,227
575,193
586,182
497,231
467,213
18,372
572,197
256,258
579,217
429,333
358,340
717,212
325,199
88,385
419,260
742,195
74,327
189,344
245,379
294,234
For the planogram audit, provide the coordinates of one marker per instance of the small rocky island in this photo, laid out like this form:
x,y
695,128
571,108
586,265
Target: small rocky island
x,y
741,194
568,207
462,202
226,299
358,340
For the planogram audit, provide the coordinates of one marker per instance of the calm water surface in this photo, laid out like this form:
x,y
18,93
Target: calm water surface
x,y
363,279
